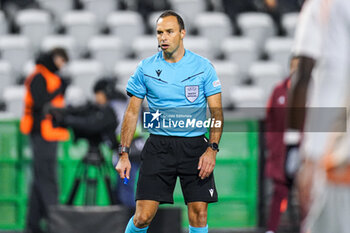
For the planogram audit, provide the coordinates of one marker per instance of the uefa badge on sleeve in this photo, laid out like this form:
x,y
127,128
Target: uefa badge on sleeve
x,y
216,83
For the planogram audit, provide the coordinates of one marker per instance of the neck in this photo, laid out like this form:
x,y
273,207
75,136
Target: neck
x,y
176,55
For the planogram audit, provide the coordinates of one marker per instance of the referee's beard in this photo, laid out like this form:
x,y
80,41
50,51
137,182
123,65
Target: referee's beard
x,y
172,54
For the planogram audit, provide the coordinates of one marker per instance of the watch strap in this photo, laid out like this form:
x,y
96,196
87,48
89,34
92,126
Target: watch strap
x,y
123,149
214,146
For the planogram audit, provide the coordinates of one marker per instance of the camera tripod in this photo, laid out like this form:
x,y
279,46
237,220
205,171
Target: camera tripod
x,y
93,158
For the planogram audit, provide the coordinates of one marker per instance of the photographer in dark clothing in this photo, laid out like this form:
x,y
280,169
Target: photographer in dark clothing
x,y
43,88
95,122
106,93
98,123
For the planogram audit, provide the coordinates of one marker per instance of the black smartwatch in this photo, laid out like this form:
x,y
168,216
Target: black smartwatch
x,y
214,146
123,149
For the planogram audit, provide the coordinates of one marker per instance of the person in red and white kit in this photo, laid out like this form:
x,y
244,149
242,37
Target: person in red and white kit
x,y
275,167
322,44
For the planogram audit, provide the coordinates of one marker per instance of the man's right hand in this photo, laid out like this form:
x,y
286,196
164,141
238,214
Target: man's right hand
x,y
123,166
304,185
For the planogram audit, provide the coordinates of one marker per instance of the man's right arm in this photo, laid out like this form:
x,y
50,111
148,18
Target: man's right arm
x,y
298,92
127,133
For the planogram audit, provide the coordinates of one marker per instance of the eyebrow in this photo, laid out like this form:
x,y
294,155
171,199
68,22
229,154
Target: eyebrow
x,y
168,29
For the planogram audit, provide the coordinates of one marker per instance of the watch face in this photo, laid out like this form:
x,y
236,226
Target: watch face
x,y
215,146
122,149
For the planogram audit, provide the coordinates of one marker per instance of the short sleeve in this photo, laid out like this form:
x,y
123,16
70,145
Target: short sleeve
x,y
212,83
308,35
136,85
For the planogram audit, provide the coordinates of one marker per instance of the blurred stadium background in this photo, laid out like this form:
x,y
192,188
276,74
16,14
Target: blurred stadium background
x,y
250,49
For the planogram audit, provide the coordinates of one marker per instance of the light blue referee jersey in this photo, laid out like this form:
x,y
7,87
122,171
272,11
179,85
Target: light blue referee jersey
x,y
176,93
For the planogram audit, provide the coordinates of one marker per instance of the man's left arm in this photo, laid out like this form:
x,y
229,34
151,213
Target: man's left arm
x,y
207,160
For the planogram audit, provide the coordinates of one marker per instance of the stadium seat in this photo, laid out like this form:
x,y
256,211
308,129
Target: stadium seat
x,y
6,78
28,68
266,75
241,51
216,26
34,24
152,20
248,96
75,96
188,9
107,50
123,70
229,76
81,25
145,46
199,45
13,97
100,8
15,49
257,26
84,74
65,41
3,24
57,7
289,22
279,50
127,25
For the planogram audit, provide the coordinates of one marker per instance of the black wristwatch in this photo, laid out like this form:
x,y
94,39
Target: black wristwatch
x,y
214,146
123,149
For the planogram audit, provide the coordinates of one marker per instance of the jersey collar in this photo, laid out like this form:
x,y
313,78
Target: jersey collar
x,y
175,63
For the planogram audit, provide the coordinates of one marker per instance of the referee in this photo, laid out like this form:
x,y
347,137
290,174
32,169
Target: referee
x,y
176,83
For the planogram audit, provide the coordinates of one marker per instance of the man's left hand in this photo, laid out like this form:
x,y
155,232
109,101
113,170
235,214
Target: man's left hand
x,y
207,163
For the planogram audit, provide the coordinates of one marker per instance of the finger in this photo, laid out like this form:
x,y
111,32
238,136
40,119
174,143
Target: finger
x,y
200,163
201,169
204,170
117,168
209,171
127,172
122,174
203,176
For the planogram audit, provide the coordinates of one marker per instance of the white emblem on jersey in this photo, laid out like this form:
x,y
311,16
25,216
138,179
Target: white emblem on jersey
x,y
216,83
281,99
211,191
192,93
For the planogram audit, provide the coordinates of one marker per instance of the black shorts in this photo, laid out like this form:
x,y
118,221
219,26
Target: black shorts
x,y
163,159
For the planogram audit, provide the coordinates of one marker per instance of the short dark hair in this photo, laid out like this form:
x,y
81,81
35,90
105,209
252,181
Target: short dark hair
x,y
173,13
101,85
107,85
60,52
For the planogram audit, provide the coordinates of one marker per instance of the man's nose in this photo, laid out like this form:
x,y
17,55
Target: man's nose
x,y
164,37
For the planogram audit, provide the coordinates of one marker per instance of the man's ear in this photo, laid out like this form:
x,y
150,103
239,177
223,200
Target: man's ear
x,y
183,33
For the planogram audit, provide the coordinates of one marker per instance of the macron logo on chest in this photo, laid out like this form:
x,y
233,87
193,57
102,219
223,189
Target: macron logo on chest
x,y
158,72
